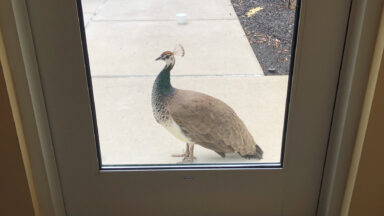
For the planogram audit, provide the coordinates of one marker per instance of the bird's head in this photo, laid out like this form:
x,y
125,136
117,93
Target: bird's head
x,y
169,57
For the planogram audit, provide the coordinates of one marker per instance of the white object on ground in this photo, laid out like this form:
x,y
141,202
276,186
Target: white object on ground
x,y
181,18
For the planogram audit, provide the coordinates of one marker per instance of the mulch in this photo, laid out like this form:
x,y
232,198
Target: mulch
x,y
269,32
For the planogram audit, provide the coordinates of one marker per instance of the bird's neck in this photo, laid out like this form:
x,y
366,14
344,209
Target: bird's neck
x,y
163,81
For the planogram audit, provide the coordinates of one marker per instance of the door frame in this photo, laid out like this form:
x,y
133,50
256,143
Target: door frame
x,y
23,83
21,72
355,70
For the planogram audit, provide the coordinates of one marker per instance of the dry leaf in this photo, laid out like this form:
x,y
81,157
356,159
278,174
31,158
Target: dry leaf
x,y
253,11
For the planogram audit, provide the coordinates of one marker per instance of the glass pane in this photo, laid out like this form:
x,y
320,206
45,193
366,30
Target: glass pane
x,y
190,82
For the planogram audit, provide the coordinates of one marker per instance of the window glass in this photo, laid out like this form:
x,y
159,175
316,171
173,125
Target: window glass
x,y
189,82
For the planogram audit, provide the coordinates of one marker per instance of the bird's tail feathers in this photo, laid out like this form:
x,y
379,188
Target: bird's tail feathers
x,y
258,155
259,152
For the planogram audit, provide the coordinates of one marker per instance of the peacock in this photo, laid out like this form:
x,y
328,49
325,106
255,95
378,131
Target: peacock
x,y
197,118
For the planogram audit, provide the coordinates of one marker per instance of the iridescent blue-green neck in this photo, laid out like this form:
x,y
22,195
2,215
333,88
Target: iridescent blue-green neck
x,y
163,81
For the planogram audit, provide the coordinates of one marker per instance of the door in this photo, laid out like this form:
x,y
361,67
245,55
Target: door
x,y
289,186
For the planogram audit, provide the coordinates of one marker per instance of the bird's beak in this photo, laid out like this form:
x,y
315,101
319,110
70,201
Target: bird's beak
x,y
158,58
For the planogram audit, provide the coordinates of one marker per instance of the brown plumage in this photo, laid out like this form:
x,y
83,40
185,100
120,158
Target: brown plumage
x,y
197,118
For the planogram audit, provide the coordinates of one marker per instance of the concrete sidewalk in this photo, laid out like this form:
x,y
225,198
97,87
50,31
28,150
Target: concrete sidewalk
x,y
124,38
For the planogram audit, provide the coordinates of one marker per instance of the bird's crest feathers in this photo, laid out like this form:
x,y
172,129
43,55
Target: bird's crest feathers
x,y
179,50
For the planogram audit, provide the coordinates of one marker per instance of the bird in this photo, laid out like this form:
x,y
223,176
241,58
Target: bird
x,y
197,118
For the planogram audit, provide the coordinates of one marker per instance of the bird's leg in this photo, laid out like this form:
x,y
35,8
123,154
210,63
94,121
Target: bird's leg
x,y
186,154
190,157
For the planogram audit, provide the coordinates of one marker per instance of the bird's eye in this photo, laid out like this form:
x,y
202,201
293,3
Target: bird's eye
x,y
167,57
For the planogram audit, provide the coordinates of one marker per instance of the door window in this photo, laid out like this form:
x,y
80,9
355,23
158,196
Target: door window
x,y
226,98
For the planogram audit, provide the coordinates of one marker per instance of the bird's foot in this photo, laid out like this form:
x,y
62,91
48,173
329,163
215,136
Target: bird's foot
x,y
180,155
187,160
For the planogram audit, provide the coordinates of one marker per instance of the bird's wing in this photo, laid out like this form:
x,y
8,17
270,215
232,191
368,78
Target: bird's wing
x,y
210,123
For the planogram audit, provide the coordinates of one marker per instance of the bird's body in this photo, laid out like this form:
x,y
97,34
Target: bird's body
x,y
197,118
